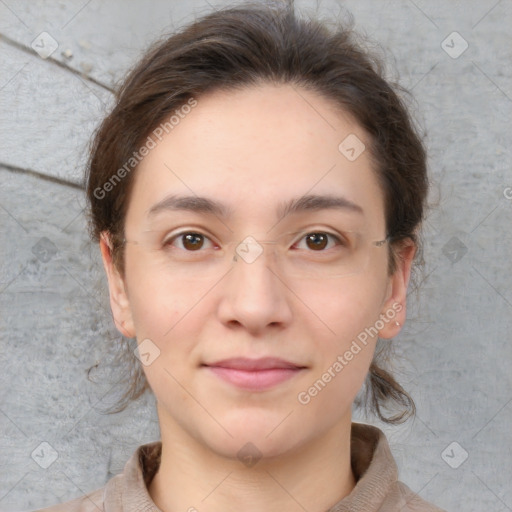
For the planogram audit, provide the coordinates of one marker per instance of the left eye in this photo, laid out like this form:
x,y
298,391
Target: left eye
x,y
318,241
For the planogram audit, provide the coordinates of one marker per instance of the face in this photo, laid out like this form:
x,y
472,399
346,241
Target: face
x,y
211,320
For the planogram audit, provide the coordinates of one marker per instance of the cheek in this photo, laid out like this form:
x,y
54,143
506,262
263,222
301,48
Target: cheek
x,y
342,358
345,338
167,313
171,313
347,307
158,301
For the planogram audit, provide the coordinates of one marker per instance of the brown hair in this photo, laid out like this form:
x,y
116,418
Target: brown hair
x,y
242,46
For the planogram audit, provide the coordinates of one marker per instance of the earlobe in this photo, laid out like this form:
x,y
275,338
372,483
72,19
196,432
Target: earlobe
x,y
119,303
394,307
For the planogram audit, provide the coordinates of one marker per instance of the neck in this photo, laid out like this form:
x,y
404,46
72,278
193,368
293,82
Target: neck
x,y
193,478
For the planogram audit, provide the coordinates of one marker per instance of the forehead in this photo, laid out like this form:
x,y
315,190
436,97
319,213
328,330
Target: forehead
x,y
252,149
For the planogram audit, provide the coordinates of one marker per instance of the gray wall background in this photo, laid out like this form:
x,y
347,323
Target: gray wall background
x,y
454,353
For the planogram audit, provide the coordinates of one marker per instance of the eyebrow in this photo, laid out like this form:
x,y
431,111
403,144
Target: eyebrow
x,y
198,204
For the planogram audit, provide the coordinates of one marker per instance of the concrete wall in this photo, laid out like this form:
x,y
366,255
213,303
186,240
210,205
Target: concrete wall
x,y
455,350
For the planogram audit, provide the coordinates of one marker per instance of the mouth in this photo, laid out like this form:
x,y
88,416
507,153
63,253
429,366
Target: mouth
x,y
254,374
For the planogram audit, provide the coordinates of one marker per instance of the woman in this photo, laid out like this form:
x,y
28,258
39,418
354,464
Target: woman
x,y
257,192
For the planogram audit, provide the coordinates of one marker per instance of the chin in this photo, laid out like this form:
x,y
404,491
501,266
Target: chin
x,y
262,432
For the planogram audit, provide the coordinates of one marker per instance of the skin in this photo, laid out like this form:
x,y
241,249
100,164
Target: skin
x,y
252,149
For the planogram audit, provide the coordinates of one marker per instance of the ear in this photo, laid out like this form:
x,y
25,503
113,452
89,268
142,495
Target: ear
x,y
119,303
394,307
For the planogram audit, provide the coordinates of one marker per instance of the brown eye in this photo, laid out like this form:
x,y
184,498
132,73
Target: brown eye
x,y
317,241
189,241
192,241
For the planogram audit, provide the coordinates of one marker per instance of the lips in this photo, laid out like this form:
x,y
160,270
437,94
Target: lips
x,y
246,364
254,374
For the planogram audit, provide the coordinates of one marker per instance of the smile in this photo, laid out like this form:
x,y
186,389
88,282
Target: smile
x,y
254,374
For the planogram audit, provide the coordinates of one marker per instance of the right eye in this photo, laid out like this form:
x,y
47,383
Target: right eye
x,y
190,241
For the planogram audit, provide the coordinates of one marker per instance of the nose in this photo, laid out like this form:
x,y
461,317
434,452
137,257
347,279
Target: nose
x,y
253,296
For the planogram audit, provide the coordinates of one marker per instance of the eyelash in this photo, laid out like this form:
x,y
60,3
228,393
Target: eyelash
x,y
169,242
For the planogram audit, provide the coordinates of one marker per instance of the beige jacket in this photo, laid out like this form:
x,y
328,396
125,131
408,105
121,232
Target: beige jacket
x,y
377,488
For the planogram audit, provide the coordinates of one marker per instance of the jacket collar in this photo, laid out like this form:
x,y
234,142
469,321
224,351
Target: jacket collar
x,y
373,465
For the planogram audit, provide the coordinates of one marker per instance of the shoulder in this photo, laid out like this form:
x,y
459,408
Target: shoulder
x,y
378,488
92,502
400,497
125,492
